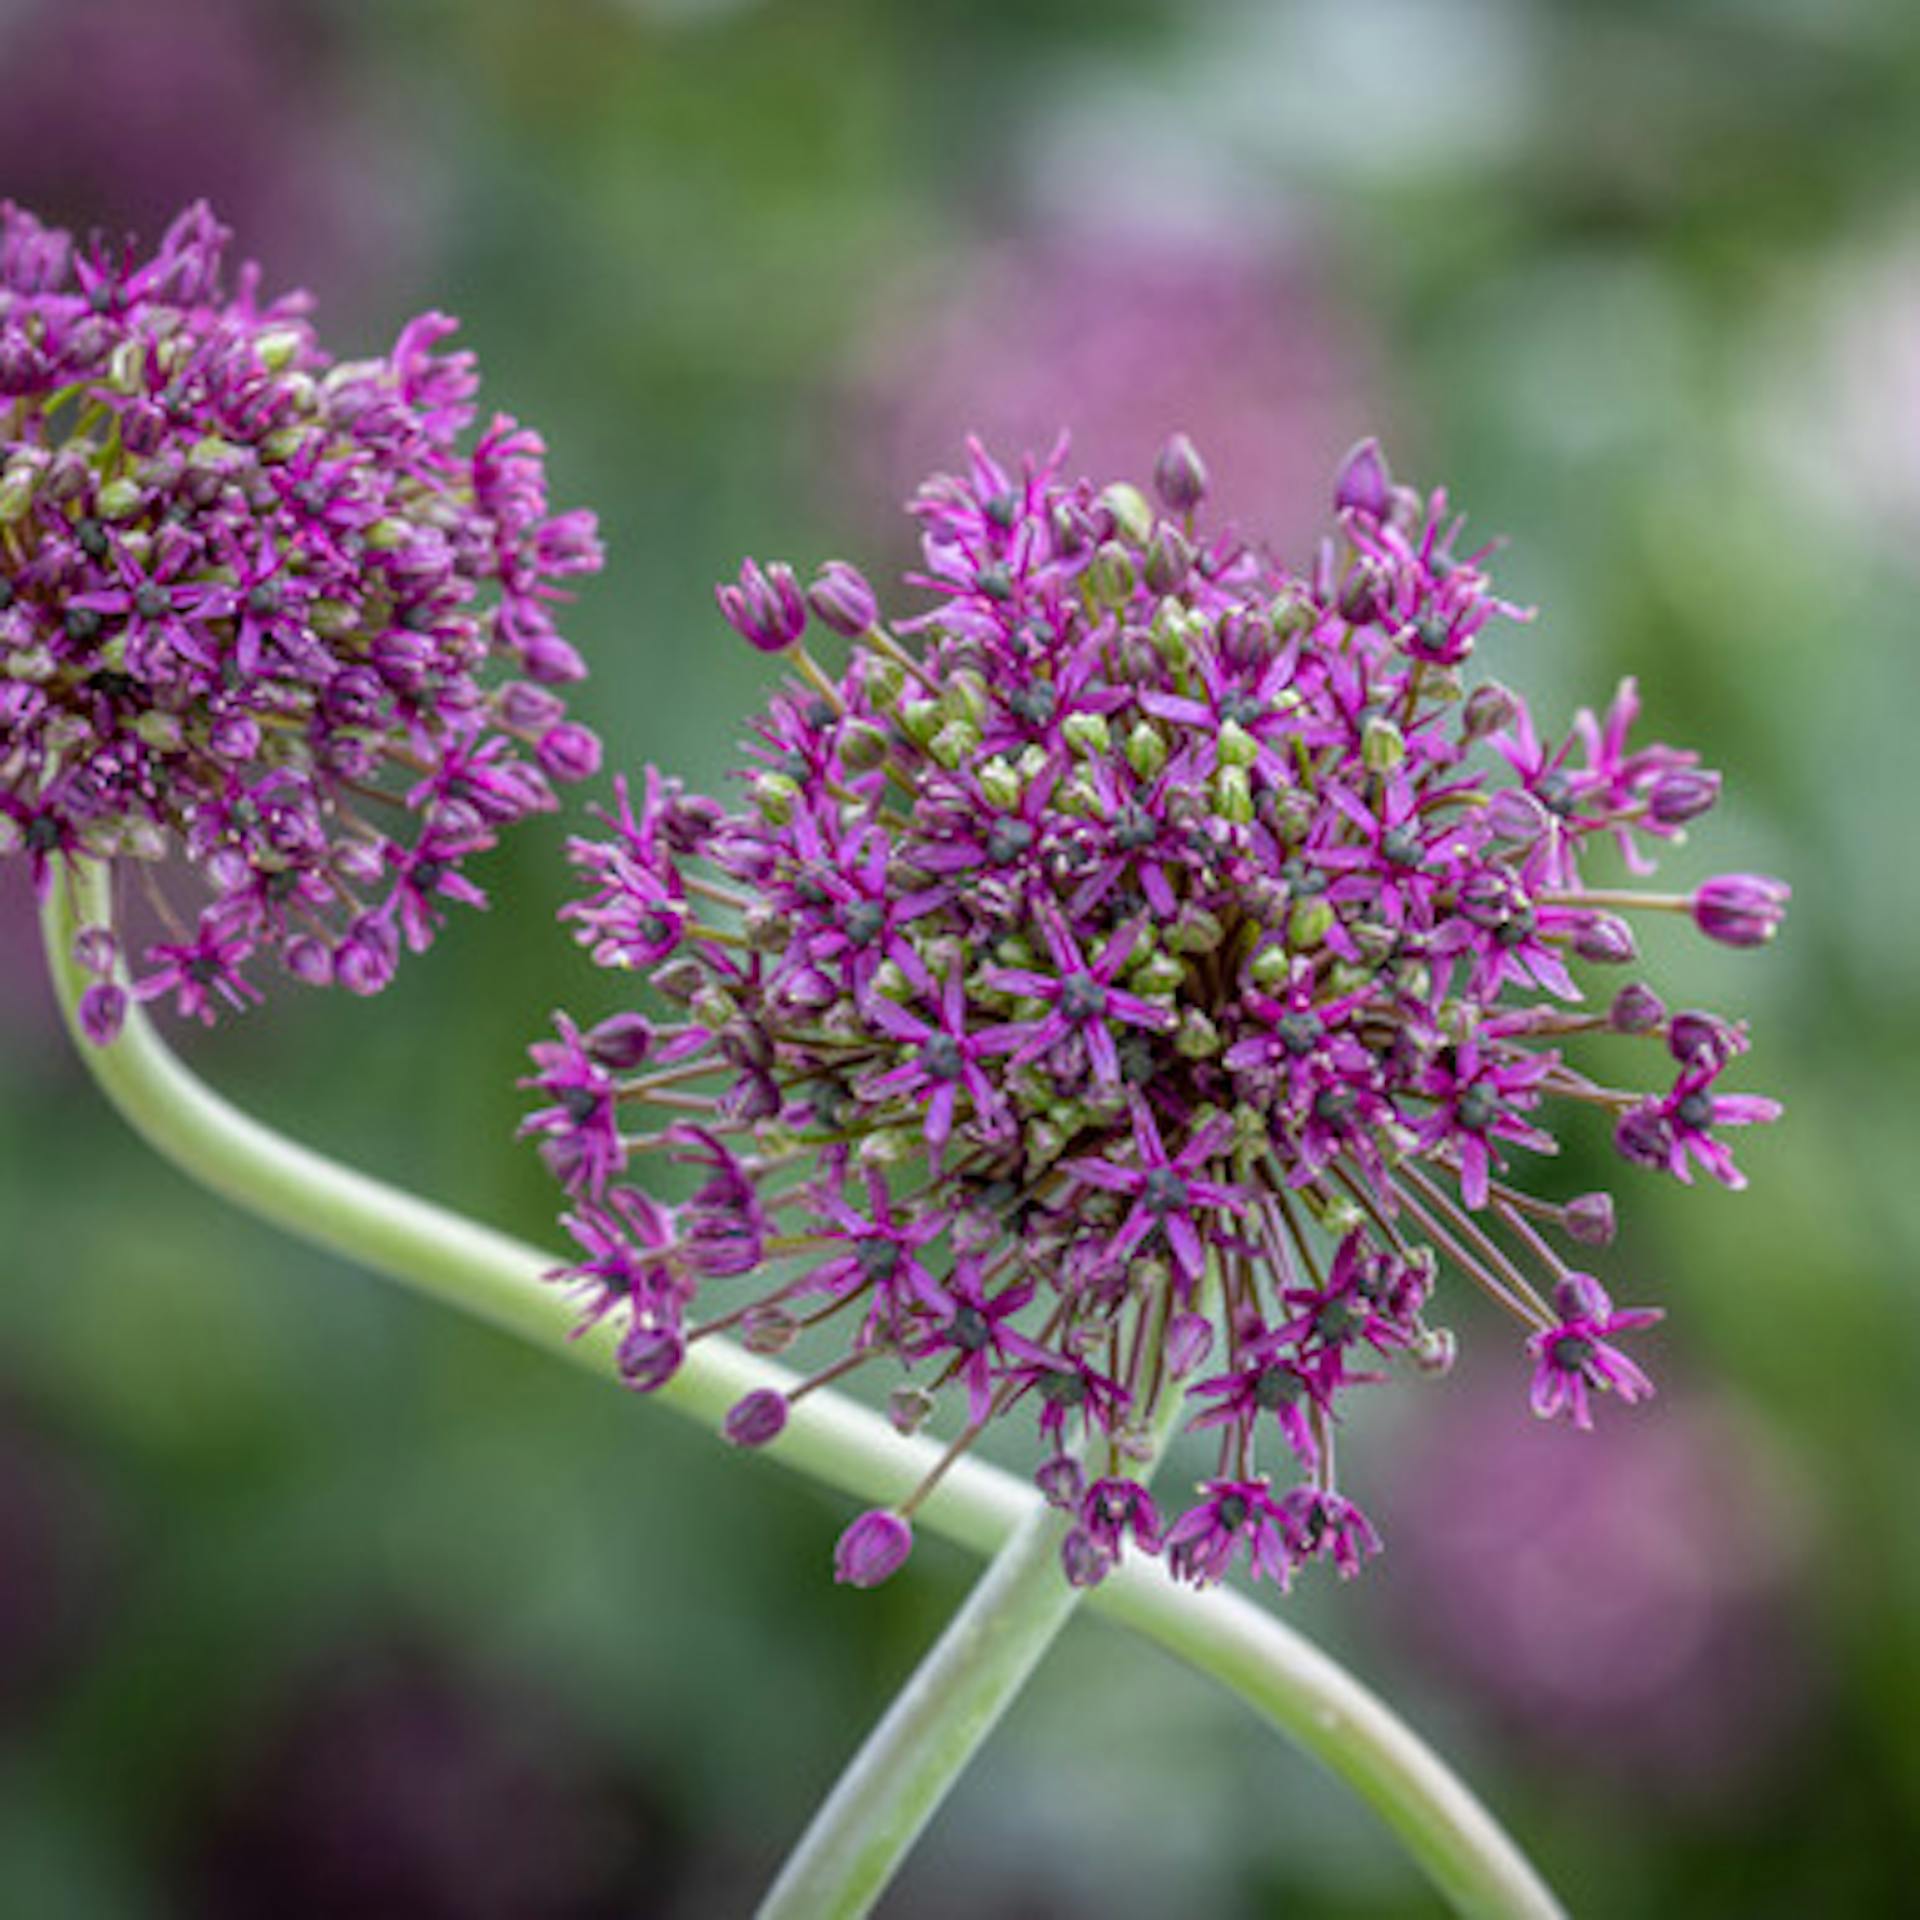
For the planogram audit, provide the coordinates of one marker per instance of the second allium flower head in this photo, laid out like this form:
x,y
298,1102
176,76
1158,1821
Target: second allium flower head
x,y
1128,979
263,610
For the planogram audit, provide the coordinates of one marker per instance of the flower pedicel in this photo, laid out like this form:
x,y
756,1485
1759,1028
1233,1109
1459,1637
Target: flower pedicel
x,y
1134,977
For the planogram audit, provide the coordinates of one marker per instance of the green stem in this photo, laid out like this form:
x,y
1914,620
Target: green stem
x,y
832,1439
958,1694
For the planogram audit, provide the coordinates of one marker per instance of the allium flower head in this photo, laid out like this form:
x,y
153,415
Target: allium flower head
x,y
267,616
1138,974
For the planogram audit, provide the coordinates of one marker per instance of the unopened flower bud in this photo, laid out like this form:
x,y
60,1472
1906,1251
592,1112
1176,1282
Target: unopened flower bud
x,y
1132,516
757,1419
1606,940
1111,576
1682,795
621,1042
1169,560
1636,1008
766,608
1060,1480
842,600
1490,709
1382,745
1740,909
1589,1219
1517,817
1087,733
1189,1339
103,1012
1083,1560
1363,484
1146,749
873,1549
1180,475
862,746
650,1356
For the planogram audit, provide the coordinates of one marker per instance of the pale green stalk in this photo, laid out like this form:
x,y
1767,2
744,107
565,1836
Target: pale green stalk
x,y
500,1280
938,1721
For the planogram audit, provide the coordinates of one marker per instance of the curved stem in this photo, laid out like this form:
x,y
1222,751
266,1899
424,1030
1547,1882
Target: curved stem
x,y
958,1694
834,1440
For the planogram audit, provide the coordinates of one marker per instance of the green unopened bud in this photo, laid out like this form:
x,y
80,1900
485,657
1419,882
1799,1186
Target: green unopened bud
x,y
1196,931
776,796
1270,966
161,731
1414,979
118,499
126,367
1170,635
883,680
1080,797
966,697
1111,576
1251,1139
999,784
282,444
1382,745
1233,796
862,746
1237,747
277,348
1291,612
920,720
1198,1038
1146,749
16,496
1169,560
1044,1146
1288,811
1132,516
891,982
1031,764
888,1146
1087,733
331,619
1375,940
1308,924
713,1007
388,535
1340,1216
1016,950
32,664
955,744
1159,973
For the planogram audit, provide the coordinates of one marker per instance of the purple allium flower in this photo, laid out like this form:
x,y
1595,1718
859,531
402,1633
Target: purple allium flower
x,y
1111,966
1618,1609
1119,327
273,113
261,614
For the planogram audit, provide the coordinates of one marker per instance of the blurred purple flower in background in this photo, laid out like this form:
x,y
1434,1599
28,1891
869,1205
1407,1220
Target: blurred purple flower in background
x,y
1124,335
397,1783
1637,1608
56,1542
135,107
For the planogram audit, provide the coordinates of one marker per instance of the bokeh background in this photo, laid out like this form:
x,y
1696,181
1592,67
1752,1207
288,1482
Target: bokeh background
x,y
315,1602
